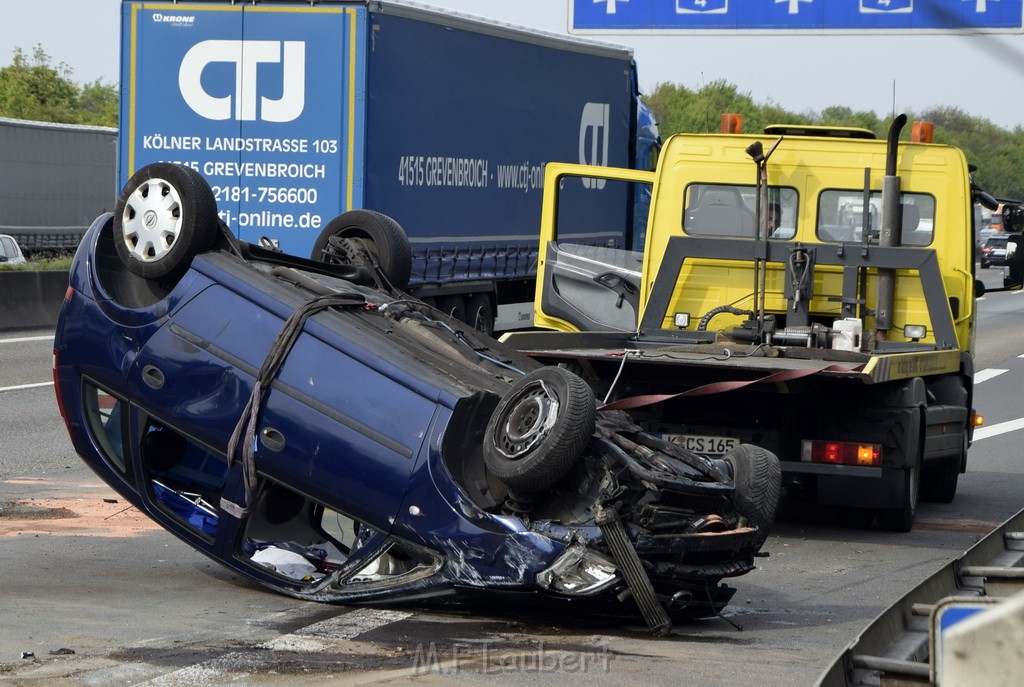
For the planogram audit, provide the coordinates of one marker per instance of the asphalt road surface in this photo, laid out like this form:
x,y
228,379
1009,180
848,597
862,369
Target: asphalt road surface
x,y
100,596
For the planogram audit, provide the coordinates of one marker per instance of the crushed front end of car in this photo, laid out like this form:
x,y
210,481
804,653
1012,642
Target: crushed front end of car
x,y
314,428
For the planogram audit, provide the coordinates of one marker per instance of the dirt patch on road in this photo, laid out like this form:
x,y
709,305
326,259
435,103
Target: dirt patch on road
x,y
87,515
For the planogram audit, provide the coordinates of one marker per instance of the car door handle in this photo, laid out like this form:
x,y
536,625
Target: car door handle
x,y
153,377
272,439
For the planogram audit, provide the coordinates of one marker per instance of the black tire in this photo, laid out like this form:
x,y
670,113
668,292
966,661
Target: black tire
x,y
757,475
938,481
984,265
480,314
540,429
342,239
901,518
165,216
454,307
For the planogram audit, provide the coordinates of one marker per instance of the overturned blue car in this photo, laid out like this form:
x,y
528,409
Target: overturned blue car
x,y
307,424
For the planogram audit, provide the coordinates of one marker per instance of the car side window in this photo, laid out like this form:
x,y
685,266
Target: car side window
x,y
105,418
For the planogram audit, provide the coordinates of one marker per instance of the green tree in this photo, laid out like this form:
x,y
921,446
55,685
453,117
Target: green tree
x,y
99,104
34,88
997,152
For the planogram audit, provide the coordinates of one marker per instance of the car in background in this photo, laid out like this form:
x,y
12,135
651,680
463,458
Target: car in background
x,y
10,251
993,252
314,428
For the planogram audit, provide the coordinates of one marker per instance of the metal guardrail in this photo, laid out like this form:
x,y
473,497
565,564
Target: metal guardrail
x,y
36,241
895,649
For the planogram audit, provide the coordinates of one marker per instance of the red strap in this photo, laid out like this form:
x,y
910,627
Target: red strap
x,y
721,387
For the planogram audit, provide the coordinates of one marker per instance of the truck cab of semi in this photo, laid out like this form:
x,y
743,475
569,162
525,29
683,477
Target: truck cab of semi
x,y
808,290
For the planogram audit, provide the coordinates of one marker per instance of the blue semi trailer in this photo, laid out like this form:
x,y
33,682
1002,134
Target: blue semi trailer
x,y
297,112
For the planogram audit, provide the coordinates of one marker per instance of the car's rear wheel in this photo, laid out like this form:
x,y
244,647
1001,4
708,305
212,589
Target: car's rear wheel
x,y
757,475
165,216
540,428
343,239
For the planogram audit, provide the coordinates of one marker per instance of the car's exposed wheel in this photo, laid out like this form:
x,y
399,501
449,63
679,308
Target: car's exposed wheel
x,y
165,216
901,518
757,475
343,239
984,265
480,314
540,428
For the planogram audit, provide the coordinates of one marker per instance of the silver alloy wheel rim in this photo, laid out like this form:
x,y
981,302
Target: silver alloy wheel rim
x,y
152,220
528,422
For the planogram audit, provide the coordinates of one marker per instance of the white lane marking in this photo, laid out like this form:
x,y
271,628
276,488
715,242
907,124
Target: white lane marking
x,y
985,375
26,339
19,387
327,634
335,633
995,430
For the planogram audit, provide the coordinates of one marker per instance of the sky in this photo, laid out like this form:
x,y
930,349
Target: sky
x,y
982,75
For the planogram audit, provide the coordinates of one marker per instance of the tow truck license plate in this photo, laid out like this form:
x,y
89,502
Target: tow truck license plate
x,y
705,445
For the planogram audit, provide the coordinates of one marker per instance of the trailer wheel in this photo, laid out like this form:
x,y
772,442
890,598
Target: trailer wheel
x,y
757,475
165,216
540,428
454,307
480,314
901,518
344,237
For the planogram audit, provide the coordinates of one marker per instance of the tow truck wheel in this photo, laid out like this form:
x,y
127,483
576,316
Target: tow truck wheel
x,y
938,481
343,238
165,216
540,428
757,475
901,519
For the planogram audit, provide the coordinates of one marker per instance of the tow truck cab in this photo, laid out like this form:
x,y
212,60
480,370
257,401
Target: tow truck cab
x,y
809,290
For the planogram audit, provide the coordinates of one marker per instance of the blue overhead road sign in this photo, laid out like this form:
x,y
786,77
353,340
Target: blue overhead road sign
x,y
854,16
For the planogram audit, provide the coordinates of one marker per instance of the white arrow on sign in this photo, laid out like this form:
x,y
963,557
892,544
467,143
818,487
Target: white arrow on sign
x,y
610,5
980,6
794,5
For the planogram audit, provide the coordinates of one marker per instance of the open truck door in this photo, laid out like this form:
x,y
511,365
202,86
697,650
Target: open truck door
x,y
587,279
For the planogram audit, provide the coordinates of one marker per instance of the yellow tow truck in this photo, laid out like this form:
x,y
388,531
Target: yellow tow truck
x,y
808,290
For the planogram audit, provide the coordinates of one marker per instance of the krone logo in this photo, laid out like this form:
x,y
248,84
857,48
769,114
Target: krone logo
x,y
246,56
594,130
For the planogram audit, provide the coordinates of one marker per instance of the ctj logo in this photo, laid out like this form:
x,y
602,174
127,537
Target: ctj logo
x,y
594,129
246,56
